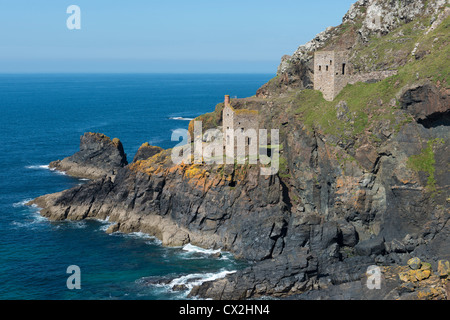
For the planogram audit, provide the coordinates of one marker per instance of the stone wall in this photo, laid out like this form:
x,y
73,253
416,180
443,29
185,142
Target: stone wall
x,y
323,73
228,124
374,76
341,72
246,124
239,121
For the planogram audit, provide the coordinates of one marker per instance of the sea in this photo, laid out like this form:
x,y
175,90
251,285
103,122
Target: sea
x,y
42,119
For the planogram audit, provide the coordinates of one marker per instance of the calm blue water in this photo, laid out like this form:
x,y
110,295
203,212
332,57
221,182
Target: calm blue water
x,y
42,119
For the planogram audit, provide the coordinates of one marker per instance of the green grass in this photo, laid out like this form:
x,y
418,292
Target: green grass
x,y
209,120
283,169
369,103
425,162
386,51
315,112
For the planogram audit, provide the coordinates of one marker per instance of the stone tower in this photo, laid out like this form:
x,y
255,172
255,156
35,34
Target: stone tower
x,y
228,121
330,72
227,100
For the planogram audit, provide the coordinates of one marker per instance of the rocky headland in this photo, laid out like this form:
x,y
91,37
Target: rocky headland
x,y
363,180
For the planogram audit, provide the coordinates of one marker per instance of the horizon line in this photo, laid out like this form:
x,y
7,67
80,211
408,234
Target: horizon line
x,y
129,72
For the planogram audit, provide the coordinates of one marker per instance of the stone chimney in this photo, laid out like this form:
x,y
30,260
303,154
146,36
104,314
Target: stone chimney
x,y
227,100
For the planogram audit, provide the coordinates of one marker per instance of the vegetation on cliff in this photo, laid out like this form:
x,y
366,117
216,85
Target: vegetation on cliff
x,y
425,162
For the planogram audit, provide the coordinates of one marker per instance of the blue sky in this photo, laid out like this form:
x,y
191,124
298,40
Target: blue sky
x,y
159,36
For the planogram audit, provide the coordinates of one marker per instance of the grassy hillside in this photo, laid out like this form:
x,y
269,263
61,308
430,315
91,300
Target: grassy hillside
x,y
369,103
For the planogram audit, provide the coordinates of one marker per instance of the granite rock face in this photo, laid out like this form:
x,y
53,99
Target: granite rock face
x,y
98,156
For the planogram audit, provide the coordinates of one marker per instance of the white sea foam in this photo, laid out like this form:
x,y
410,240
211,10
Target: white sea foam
x,y
154,241
138,235
23,204
78,224
105,226
145,236
191,248
196,279
181,118
105,223
133,235
31,219
45,167
38,167
106,220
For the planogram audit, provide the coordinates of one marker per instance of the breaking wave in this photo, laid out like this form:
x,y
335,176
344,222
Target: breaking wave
x,y
185,283
23,204
39,167
196,279
181,118
31,217
191,248
45,167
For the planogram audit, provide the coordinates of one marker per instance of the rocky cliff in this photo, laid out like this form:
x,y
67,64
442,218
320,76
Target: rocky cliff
x,y
362,25
98,156
363,180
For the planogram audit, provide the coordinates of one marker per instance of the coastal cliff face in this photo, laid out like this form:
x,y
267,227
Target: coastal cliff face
x,y
98,156
363,180
182,204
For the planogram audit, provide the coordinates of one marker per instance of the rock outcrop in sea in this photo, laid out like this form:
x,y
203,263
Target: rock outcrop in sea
x,y
98,156
363,180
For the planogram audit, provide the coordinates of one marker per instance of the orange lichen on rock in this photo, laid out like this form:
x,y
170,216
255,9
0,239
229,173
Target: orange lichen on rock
x,y
444,268
151,165
429,294
102,137
142,166
418,271
196,171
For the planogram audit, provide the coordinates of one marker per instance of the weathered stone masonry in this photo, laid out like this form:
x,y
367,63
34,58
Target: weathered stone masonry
x,y
331,69
332,72
242,120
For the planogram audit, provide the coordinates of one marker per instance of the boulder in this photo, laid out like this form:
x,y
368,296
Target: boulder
x,y
349,236
414,263
113,228
443,268
179,287
370,246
